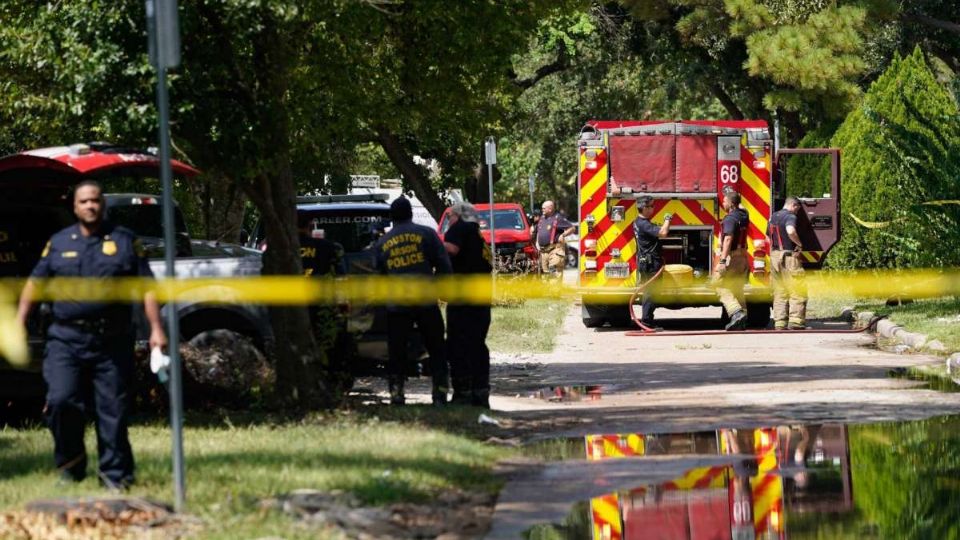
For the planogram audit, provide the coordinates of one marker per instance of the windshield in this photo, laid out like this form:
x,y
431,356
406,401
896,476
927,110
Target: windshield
x,y
504,219
143,219
352,229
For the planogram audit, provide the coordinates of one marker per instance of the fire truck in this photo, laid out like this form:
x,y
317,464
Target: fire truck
x,y
777,475
684,166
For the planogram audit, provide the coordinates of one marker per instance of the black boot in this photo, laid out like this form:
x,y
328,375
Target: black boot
x,y
738,321
396,393
481,398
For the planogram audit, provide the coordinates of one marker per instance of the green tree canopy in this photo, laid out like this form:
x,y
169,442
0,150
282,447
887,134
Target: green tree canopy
x,y
901,152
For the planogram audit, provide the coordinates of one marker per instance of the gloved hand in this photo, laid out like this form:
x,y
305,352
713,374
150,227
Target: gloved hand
x,y
667,216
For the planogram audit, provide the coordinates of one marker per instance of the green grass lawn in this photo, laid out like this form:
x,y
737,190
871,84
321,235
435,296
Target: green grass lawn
x,y
937,318
380,456
530,326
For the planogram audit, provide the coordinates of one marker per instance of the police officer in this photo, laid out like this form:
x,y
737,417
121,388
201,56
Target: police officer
x,y
549,234
91,344
786,268
467,325
413,250
730,272
649,258
319,256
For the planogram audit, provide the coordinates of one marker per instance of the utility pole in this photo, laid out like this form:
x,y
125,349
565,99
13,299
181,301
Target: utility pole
x,y
163,34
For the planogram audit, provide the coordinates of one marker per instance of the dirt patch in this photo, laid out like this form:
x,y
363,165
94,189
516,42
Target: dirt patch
x,y
450,515
117,518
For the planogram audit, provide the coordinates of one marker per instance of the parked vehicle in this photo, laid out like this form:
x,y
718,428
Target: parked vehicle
x,y
515,250
355,222
573,248
684,166
34,203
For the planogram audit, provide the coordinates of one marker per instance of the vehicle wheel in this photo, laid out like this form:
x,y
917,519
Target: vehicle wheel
x,y
758,315
593,323
226,365
572,258
593,316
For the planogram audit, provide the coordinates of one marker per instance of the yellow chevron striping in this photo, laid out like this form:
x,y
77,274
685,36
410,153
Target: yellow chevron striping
x,y
752,181
766,501
607,508
596,184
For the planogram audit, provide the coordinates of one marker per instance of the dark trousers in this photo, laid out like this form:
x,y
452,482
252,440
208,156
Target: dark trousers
x,y
400,323
467,328
83,370
647,270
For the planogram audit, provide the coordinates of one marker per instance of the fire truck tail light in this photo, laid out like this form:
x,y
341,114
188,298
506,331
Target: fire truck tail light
x,y
590,266
759,266
592,164
590,154
590,248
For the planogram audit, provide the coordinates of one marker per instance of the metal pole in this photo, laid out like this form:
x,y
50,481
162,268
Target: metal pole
x,y
532,178
493,230
173,324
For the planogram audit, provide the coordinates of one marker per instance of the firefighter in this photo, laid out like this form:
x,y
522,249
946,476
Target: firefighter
x,y
730,272
549,234
786,268
467,325
649,258
88,358
413,250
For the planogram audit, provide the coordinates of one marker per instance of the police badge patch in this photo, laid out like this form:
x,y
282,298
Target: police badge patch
x,y
109,247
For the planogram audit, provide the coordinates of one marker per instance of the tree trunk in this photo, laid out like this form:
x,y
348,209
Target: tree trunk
x,y
299,364
221,205
414,175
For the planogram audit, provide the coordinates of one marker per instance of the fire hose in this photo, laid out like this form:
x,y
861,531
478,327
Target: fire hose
x,y
647,331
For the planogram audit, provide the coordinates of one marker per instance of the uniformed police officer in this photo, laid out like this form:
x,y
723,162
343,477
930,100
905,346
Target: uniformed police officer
x,y
730,272
467,325
786,268
413,250
649,258
91,344
319,256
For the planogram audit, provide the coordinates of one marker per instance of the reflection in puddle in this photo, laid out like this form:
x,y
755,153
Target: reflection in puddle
x,y
821,481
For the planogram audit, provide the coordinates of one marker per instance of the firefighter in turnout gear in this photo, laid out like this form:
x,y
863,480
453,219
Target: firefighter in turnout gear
x,y
786,268
730,272
88,360
649,258
407,250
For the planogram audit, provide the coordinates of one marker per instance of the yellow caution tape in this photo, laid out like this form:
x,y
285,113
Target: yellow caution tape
x,y
13,336
479,289
884,224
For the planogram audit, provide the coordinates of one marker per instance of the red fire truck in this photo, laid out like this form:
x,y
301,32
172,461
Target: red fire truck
x,y
684,166
781,473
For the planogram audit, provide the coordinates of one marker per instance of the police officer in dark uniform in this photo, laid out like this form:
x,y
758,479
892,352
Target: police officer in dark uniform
x,y
413,250
649,258
91,344
467,325
319,256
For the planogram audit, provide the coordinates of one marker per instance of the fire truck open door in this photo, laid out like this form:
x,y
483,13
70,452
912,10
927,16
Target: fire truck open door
x,y
819,223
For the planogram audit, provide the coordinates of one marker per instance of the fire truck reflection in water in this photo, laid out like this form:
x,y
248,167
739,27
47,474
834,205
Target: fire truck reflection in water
x,y
785,471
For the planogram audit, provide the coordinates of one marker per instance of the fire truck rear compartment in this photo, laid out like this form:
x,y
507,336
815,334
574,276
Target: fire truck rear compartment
x,y
689,246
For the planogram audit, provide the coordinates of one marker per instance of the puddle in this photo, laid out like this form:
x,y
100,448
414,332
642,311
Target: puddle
x,y
888,480
932,382
583,392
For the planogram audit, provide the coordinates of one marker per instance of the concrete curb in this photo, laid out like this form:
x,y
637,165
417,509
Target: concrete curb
x,y
891,330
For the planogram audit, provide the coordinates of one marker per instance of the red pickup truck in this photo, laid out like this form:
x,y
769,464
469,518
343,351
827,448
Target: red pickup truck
x,y
515,251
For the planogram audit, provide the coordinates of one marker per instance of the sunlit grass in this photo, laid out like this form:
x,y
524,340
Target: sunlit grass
x,y
530,326
231,466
